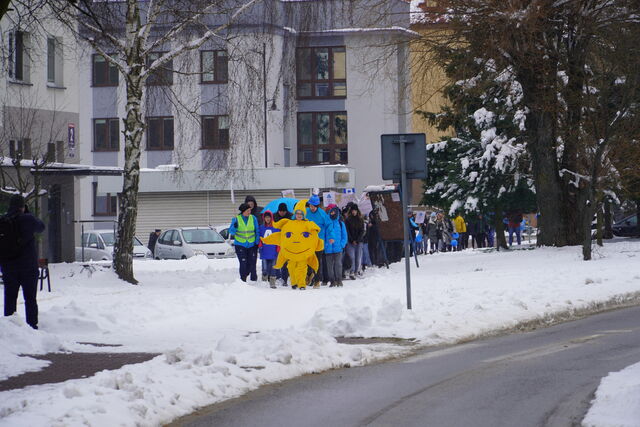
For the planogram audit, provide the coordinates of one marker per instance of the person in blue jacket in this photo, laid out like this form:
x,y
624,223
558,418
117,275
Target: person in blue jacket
x,y
244,228
336,236
21,270
268,253
320,217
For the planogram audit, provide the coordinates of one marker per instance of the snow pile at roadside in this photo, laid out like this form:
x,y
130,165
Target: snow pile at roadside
x,y
218,337
617,401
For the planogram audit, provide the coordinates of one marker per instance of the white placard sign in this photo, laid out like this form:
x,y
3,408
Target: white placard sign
x,y
346,199
395,197
420,215
288,194
329,198
365,205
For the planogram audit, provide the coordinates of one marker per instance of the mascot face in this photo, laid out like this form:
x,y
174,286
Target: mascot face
x,y
298,240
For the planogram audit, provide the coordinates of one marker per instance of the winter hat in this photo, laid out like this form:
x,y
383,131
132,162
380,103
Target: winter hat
x,y
298,210
250,199
283,207
334,212
332,205
243,207
267,213
16,202
314,200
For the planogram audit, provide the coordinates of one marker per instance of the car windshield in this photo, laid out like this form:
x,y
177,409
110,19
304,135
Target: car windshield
x,y
202,236
109,239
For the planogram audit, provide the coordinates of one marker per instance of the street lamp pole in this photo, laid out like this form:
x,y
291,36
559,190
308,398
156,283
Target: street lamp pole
x,y
264,97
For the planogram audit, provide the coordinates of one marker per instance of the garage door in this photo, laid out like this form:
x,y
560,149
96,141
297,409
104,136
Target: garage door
x,y
188,209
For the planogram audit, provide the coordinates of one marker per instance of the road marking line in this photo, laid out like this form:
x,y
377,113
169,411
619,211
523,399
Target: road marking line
x,y
443,352
544,350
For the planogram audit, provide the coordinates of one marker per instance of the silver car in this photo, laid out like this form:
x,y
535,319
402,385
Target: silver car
x,y
185,242
97,245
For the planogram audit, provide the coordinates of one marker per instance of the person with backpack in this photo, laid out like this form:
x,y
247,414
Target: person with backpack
x,y
19,258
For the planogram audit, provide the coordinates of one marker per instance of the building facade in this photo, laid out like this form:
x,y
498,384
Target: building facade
x,y
295,96
40,121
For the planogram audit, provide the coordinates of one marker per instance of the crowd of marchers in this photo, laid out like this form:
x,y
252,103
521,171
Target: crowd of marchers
x,y
442,233
344,252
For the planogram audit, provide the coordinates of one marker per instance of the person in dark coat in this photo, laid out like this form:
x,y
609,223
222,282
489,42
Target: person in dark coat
x,y
355,233
255,209
283,212
22,270
153,239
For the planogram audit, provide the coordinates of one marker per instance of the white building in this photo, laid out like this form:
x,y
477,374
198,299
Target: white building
x,y
39,118
336,79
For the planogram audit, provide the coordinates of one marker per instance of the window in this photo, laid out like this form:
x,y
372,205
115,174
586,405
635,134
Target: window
x,y
51,152
322,138
18,57
215,132
213,66
163,76
159,133
60,151
54,62
321,72
104,204
106,135
104,72
20,148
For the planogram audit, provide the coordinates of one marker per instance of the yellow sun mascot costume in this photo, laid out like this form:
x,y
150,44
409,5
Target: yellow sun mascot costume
x,y
298,240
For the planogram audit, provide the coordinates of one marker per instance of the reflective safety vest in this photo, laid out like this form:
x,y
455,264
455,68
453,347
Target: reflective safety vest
x,y
246,232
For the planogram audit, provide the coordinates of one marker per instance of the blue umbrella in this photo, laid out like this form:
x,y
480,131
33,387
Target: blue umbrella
x,y
273,205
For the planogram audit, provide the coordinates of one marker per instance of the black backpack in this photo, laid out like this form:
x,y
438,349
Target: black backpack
x,y
10,239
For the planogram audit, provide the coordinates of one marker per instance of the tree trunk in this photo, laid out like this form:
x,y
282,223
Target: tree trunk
x,y
587,217
608,231
638,217
549,193
599,231
128,200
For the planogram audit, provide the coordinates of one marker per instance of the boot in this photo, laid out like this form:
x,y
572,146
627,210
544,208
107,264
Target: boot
x,y
264,278
339,284
316,285
272,282
333,285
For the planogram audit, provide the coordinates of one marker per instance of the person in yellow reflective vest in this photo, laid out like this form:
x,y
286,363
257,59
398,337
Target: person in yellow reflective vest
x,y
244,228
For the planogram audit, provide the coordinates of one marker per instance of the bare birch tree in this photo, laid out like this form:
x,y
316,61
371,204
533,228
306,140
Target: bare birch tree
x,y
126,34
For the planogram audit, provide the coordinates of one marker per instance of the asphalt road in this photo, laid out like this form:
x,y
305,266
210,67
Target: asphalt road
x,y
542,378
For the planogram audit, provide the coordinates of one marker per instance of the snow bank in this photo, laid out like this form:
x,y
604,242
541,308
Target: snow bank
x,y
617,400
219,337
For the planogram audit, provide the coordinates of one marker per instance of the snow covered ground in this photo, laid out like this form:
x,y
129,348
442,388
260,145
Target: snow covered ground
x,y
617,401
219,338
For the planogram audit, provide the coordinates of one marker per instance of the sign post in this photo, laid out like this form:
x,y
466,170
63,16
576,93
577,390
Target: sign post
x,y
408,151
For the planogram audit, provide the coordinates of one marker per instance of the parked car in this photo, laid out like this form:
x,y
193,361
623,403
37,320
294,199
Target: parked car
x,y
626,227
98,246
223,229
185,242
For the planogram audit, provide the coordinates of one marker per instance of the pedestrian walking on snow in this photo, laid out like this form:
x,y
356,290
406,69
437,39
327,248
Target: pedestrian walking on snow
x,y
244,227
